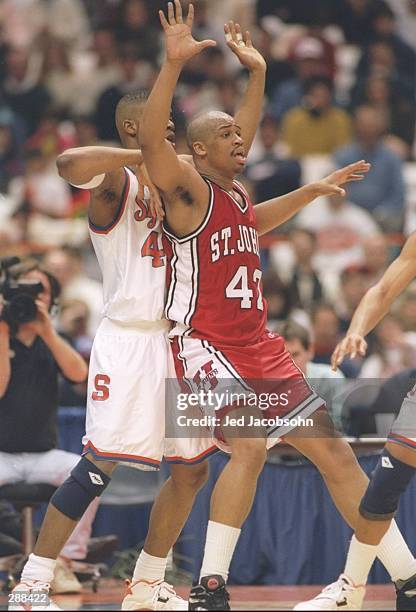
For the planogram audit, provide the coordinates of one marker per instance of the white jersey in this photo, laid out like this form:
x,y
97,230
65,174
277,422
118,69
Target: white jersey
x,y
132,260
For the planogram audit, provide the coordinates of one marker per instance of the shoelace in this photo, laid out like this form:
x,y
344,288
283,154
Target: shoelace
x,y
336,588
163,591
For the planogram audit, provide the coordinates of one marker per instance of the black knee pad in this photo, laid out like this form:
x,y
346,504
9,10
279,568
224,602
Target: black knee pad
x,y
389,480
85,483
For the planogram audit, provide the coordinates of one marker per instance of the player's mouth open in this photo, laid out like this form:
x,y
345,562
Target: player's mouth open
x,y
240,156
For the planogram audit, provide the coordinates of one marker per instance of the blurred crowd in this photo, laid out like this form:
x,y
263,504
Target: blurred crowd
x,y
341,86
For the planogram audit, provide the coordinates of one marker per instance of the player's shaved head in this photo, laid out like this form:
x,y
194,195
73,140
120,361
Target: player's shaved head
x,y
130,108
202,127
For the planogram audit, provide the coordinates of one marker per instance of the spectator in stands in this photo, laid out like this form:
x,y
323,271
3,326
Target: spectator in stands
x,y
85,131
277,295
354,284
322,377
101,71
32,355
382,193
271,173
375,257
58,76
73,325
399,111
305,288
325,331
295,11
41,190
135,74
66,264
11,161
278,70
384,27
340,226
405,11
392,350
307,55
317,126
355,18
136,28
21,89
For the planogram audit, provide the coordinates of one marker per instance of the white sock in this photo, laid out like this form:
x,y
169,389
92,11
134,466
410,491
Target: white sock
x,y
395,555
359,561
149,568
38,568
219,549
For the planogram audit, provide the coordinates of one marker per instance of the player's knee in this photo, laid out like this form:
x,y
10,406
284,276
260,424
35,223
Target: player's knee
x,y
191,477
337,461
251,452
85,483
388,482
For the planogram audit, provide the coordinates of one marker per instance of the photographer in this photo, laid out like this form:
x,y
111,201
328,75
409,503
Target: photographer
x,y
32,355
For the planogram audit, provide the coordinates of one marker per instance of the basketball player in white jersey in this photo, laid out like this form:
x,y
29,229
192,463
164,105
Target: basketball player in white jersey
x,y
130,358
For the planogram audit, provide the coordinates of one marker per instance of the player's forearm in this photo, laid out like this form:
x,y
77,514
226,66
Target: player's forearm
x,y
372,308
79,166
71,364
249,113
5,368
158,107
273,213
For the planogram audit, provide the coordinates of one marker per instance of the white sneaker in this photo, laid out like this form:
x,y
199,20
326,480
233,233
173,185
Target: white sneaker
x,y
340,595
31,595
64,580
152,596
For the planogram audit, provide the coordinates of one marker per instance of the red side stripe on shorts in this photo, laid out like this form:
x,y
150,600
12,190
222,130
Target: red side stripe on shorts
x,y
207,453
120,456
401,440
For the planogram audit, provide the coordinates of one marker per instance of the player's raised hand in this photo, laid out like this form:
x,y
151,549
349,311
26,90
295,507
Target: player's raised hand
x,y
352,344
242,46
155,204
180,44
331,184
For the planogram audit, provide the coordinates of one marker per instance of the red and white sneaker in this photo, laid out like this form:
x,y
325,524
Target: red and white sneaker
x,y
142,595
340,595
31,595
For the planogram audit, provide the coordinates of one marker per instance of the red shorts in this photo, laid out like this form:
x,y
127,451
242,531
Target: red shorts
x,y
265,370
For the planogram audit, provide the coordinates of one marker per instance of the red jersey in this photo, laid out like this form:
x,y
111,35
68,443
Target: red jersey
x,y
214,274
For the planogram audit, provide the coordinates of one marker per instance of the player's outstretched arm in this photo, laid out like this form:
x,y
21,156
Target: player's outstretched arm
x,y
377,302
277,211
249,112
168,172
5,369
79,166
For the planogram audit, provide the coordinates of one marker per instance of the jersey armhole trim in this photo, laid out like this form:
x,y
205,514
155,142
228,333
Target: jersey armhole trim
x,y
98,229
199,229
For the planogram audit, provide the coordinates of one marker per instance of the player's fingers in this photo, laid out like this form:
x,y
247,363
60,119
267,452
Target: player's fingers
x,y
206,43
239,35
190,18
362,347
163,20
178,9
171,14
249,42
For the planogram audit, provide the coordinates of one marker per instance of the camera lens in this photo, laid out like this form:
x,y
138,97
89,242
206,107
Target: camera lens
x,y
22,309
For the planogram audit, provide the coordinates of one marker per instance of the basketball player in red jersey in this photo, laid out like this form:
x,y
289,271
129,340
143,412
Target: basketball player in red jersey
x,y
214,293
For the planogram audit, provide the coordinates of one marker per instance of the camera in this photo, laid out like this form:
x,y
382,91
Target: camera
x,y
19,296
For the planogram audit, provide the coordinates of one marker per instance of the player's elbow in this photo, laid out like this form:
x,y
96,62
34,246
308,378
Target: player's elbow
x,y
65,164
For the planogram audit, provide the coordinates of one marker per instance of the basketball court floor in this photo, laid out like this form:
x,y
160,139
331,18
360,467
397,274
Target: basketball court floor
x,y
110,595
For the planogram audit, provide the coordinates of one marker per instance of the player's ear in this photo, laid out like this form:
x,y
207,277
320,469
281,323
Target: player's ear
x,y
130,127
199,149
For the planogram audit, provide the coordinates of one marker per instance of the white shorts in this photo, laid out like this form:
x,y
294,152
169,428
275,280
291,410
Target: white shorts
x,y
403,430
126,399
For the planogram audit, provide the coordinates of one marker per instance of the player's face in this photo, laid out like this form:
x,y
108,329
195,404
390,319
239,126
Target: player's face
x,y
299,354
225,150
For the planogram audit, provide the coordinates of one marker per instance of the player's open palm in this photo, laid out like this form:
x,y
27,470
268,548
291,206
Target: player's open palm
x,y
180,44
352,344
242,47
331,184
